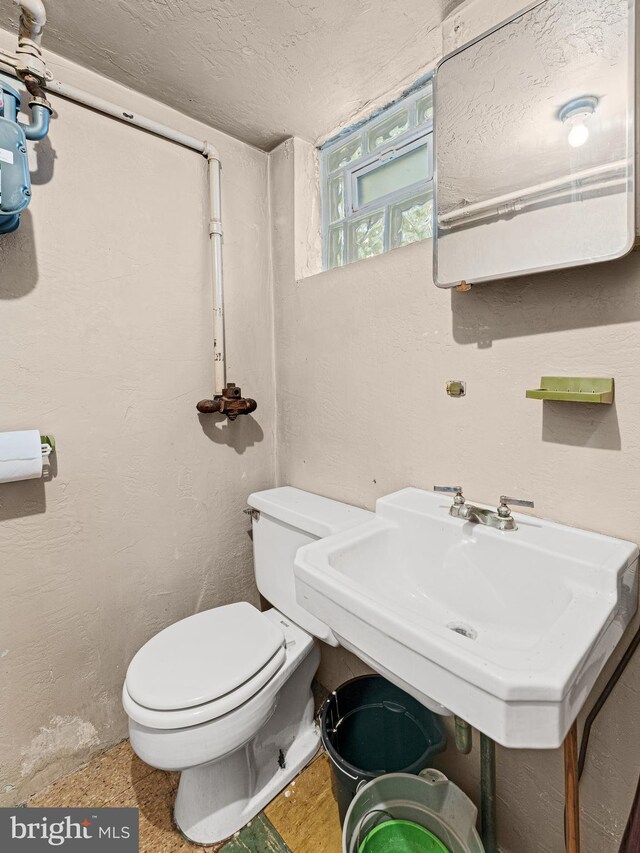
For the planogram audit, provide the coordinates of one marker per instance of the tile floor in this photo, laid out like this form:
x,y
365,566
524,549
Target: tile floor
x,y
302,819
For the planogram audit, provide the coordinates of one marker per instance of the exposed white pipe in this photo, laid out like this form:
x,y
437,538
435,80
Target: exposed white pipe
x,y
32,20
78,96
8,63
214,168
33,17
28,57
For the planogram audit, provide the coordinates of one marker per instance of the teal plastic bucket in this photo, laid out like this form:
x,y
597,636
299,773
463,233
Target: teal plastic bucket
x,y
370,727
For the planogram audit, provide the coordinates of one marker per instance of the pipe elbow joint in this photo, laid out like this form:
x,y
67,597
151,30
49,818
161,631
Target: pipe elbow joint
x,y
210,152
33,15
40,120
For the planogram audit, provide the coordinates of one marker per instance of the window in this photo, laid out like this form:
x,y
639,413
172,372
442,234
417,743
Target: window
x,y
377,182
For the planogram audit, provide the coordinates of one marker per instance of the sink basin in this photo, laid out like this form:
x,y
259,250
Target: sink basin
x,y
507,629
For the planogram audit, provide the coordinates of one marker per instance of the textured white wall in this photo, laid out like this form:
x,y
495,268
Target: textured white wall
x,y
105,309
363,354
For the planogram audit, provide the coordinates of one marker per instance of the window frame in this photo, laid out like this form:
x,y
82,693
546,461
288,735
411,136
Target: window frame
x,y
409,140
422,141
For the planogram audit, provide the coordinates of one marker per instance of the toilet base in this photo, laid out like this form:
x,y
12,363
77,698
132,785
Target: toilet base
x,y
216,800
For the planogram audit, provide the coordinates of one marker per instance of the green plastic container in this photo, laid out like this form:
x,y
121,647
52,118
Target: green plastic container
x,y
401,836
429,800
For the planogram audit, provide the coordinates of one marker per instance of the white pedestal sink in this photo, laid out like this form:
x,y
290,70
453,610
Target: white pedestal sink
x,y
507,629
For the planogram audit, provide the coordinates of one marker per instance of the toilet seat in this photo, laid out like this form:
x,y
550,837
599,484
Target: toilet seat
x,y
203,667
186,717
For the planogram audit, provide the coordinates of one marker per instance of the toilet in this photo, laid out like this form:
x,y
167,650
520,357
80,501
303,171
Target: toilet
x,y
224,696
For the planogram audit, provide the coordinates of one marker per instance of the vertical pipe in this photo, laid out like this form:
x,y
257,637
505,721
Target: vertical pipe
x,y
464,737
215,245
33,17
571,791
488,794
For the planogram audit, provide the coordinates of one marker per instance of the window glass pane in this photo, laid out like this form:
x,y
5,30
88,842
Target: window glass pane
x,y
345,154
397,186
366,237
394,175
336,198
425,108
411,220
388,129
336,244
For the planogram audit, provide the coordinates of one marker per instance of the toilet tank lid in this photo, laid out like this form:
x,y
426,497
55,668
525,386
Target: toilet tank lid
x,y
310,513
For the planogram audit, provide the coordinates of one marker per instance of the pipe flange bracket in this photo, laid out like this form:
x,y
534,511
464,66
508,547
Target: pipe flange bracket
x,y
33,67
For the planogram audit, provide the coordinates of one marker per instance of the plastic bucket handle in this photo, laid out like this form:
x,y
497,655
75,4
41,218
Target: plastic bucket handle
x,y
364,817
396,707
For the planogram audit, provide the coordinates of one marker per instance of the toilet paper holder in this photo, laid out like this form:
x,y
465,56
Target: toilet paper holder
x,y
47,445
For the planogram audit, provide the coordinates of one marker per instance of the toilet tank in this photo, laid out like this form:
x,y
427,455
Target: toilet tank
x,y
287,519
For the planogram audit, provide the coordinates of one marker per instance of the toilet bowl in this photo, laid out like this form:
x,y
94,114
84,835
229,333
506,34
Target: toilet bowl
x,y
239,749
224,696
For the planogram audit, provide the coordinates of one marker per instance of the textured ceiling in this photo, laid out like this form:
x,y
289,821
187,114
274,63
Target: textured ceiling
x,y
260,70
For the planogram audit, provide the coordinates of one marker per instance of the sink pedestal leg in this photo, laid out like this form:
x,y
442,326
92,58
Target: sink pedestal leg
x,y
571,791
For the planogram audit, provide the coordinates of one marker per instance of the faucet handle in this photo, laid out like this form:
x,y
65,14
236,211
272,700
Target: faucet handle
x,y
503,509
457,490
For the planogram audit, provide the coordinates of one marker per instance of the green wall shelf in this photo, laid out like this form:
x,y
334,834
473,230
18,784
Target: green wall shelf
x,y
572,389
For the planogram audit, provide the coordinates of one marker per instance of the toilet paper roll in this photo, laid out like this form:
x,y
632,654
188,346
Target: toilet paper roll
x,y
20,455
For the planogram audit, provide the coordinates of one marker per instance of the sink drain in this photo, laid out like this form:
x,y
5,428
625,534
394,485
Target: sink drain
x,y
466,630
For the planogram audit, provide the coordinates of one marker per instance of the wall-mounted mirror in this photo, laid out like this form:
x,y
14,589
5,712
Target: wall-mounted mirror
x,y
534,143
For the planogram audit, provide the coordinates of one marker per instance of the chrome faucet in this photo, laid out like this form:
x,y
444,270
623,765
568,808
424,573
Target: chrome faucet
x,y
501,518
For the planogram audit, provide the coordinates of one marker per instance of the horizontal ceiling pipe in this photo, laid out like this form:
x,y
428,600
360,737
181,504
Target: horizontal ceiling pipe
x,y
8,63
78,96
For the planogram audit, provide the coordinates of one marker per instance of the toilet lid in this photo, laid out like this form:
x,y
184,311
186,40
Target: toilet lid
x,y
203,657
